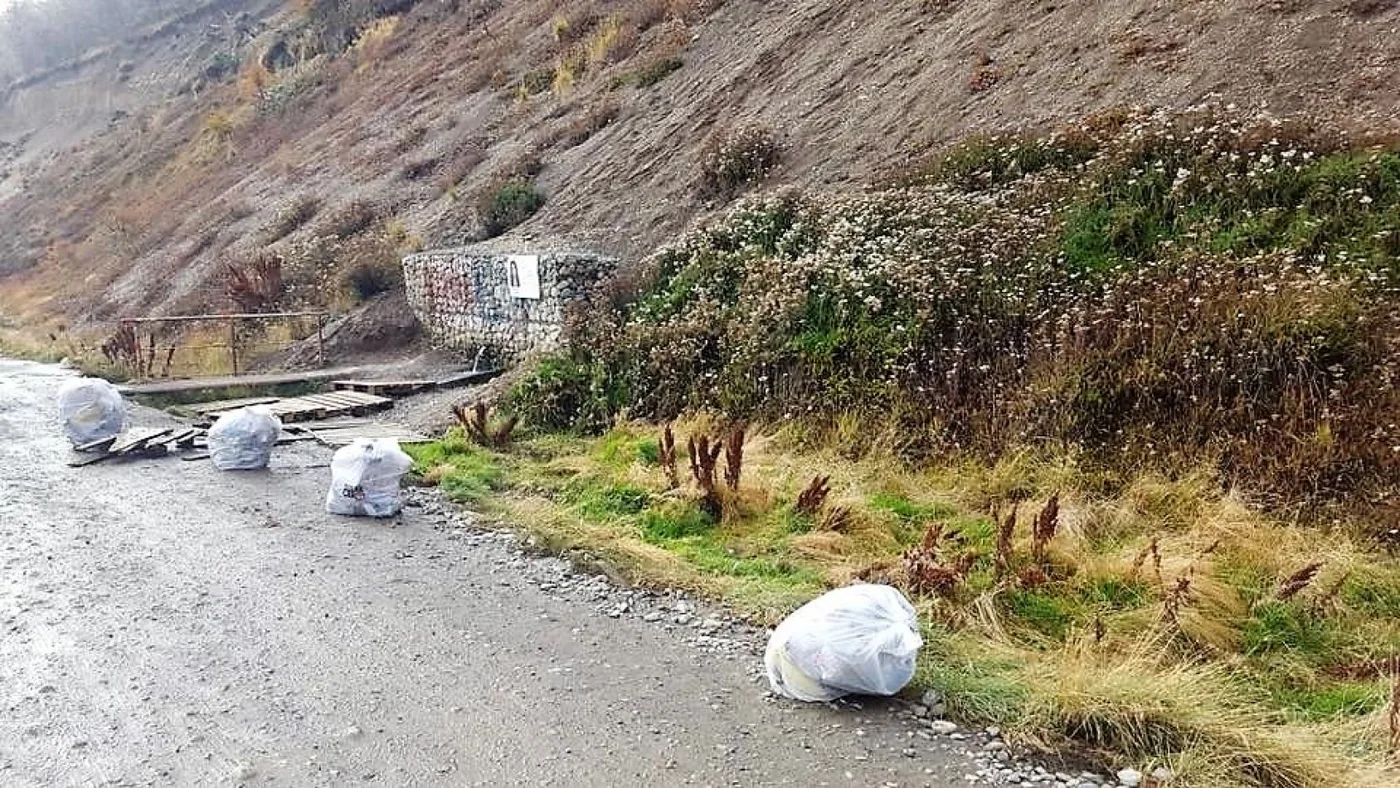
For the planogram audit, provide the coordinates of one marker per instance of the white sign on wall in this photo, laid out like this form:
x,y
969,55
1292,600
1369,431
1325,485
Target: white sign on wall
x,y
524,275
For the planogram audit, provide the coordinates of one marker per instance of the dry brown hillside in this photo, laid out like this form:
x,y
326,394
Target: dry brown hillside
x,y
340,159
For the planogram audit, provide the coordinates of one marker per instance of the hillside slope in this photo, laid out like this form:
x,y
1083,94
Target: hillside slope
x,y
429,109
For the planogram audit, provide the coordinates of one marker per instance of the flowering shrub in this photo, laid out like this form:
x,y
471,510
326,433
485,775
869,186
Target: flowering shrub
x,y
736,160
1157,289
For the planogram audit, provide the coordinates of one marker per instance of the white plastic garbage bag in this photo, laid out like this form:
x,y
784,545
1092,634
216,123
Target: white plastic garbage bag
x,y
242,440
365,478
91,409
861,639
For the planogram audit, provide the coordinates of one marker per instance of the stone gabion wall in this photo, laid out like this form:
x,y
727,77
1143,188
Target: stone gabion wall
x,y
462,297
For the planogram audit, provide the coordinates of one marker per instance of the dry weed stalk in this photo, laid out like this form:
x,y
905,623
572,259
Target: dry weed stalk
x,y
1006,533
926,574
124,349
1100,629
734,458
476,422
1176,599
703,457
1393,716
668,458
1298,581
1149,550
1046,524
838,520
811,500
1328,597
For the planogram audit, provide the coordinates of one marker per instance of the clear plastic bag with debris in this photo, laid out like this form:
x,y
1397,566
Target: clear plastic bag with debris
x,y
242,440
857,640
365,478
91,409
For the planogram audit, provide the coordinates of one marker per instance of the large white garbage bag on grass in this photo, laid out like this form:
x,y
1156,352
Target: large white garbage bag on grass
x,y
861,639
91,409
365,478
242,440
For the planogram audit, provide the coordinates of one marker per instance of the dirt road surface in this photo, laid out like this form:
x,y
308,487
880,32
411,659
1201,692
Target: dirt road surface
x,y
163,623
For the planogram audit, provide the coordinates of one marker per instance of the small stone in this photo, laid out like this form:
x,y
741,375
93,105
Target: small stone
x,y
1131,778
994,745
942,727
920,711
910,752
651,618
1163,775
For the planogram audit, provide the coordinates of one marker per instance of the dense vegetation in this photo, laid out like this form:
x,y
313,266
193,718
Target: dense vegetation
x,y
1153,290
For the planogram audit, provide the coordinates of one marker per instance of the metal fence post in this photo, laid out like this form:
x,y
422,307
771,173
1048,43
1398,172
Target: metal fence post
x,y
233,342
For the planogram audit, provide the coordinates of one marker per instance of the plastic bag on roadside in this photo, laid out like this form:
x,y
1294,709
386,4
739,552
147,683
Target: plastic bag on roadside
x,y
365,478
91,409
242,440
861,639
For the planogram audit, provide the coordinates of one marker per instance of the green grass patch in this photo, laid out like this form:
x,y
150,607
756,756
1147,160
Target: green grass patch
x,y
1330,701
676,520
1288,628
603,501
465,473
975,689
1373,593
1042,611
1115,593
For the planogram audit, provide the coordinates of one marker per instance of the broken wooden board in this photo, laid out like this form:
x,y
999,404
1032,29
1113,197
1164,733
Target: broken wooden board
x,y
384,388
146,443
344,435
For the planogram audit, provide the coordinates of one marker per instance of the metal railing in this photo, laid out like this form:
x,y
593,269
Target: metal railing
x,y
140,353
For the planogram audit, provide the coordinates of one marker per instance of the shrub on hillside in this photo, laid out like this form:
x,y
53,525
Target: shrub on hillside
x,y
351,219
508,205
291,218
254,284
736,160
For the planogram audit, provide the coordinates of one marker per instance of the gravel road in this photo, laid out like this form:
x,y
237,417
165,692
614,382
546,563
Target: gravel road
x,y
162,623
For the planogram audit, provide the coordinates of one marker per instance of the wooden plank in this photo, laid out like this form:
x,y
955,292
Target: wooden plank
x,y
135,440
103,444
392,388
220,406
178,437
345,435
143,451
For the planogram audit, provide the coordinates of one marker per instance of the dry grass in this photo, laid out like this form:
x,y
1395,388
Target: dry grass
x,y
1170,625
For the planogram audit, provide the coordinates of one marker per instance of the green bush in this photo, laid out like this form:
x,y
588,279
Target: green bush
x,y
564,393
508,205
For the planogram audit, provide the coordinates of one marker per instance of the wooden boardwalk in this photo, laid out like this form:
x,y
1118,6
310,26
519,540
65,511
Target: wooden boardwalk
x,y
348,378
245,381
